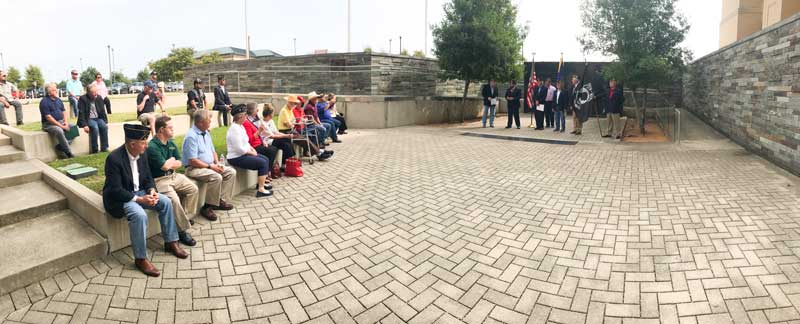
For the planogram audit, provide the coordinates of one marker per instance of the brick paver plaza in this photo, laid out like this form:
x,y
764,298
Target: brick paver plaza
x,y
424,225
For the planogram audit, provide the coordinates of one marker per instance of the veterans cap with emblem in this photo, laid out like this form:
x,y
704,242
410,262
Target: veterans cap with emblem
x,y
149,84
239,109
136,131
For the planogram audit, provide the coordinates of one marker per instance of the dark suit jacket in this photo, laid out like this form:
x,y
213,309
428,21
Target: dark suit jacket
x,y
517,94
614,103
83,109
488,93
540,94
118,188
221,99
562,102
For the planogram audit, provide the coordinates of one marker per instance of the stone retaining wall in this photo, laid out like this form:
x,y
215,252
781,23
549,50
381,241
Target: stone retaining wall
x,y
750,91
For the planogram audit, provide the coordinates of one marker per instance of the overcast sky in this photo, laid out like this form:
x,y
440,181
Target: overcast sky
x,y
57,34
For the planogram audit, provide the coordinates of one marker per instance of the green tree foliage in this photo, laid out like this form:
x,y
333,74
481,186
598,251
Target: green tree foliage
x,y
212,57
33,76
13,75
143,75
404,52
644,36
119,77
87,76
419,54
171,67
62,84
479,40
368,50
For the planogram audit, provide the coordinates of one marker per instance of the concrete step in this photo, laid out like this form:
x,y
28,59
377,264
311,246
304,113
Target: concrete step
x,y
39,248
16,173
5,140
28,200
9,153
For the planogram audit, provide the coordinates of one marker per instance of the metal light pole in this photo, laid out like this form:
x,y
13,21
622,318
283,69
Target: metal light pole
x,y
348,26
426,27
81,64
401,45
246,33
294,41
110,69
113,61
390,46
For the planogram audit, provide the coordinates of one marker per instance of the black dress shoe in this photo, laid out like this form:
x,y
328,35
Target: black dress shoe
x,y
186,239
260,194
267,186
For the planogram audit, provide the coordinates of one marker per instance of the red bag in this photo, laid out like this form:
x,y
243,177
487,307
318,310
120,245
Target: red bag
x,y
293,168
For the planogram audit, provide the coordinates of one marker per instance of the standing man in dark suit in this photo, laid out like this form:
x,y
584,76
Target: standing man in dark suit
x,y
129,189
513,95
222,101
489,93
561,107
539,95
614,103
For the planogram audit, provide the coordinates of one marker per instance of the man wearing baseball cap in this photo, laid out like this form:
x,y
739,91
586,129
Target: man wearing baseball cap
x,y
196,99
145,106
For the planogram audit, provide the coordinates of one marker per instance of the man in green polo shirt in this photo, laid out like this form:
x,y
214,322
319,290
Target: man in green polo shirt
x,y
164,158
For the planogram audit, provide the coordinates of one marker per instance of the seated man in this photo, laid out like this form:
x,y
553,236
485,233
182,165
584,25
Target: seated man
x,y
7,90
287,124
312,116
202,164
54,121
130,188
145,106
164,159
92,118
324,116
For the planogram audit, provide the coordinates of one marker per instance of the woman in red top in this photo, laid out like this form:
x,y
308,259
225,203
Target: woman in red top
x,y
255,141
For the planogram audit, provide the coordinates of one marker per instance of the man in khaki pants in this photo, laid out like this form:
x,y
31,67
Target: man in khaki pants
x,y
577,124
613,110
163,158
203,165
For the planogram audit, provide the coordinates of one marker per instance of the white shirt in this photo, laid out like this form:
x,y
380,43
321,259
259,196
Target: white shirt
x,y
558,94
238,143
134,172
269,129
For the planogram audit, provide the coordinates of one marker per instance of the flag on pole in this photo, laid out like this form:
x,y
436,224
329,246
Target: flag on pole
x,y
532,84
560,63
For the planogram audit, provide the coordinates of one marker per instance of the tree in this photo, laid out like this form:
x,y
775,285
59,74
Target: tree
x,y
143,75
404,52
62,84
212,57
644,36
171,67
33,76
119,77
479,40
13,75
419,54
87,76
368,50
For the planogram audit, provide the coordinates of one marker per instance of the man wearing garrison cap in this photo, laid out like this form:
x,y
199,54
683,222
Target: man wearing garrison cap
x,y
130,189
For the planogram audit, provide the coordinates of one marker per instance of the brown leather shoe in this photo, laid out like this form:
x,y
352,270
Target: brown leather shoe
x,y
176,250
223,205
208,212
146,267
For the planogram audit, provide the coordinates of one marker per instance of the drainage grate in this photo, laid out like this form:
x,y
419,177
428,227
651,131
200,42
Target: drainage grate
x,y
522,139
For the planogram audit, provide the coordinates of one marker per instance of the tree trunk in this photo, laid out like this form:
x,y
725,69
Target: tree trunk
x,y
636,105
464,99
644,112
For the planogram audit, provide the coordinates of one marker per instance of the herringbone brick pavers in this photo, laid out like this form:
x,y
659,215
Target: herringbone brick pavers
x,y
423,225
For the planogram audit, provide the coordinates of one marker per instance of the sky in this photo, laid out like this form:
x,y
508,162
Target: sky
x,y
59,35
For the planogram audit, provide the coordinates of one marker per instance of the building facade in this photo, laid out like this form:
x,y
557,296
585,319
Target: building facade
x,y
742,18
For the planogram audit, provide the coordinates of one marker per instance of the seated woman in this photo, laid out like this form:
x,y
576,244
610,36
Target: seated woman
x,y
242,155
336,115
251,127
271,137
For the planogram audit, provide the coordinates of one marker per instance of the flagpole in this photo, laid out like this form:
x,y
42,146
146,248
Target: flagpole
x,y
532,101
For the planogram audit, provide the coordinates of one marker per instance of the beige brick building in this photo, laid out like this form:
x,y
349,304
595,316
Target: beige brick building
x,y
741,18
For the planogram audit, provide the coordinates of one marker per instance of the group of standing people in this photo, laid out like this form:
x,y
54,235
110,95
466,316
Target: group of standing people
x,y
551,104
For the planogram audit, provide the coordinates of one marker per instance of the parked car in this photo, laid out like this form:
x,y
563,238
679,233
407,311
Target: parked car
x,y
179,86
119,88
136,87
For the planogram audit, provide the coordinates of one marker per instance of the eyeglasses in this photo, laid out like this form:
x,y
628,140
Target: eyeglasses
x,y
74,73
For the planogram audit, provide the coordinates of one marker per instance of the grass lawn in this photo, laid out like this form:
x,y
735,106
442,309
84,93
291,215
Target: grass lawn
x,y
113,118
95,183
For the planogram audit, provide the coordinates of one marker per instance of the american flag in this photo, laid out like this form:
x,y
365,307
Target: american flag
x,y
532,84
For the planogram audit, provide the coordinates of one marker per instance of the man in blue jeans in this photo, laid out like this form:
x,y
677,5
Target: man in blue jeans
x,y
130,189
489,93
93,119
74,88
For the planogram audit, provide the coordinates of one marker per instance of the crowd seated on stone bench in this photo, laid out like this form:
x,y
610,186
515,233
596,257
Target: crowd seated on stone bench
x,y
145,175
